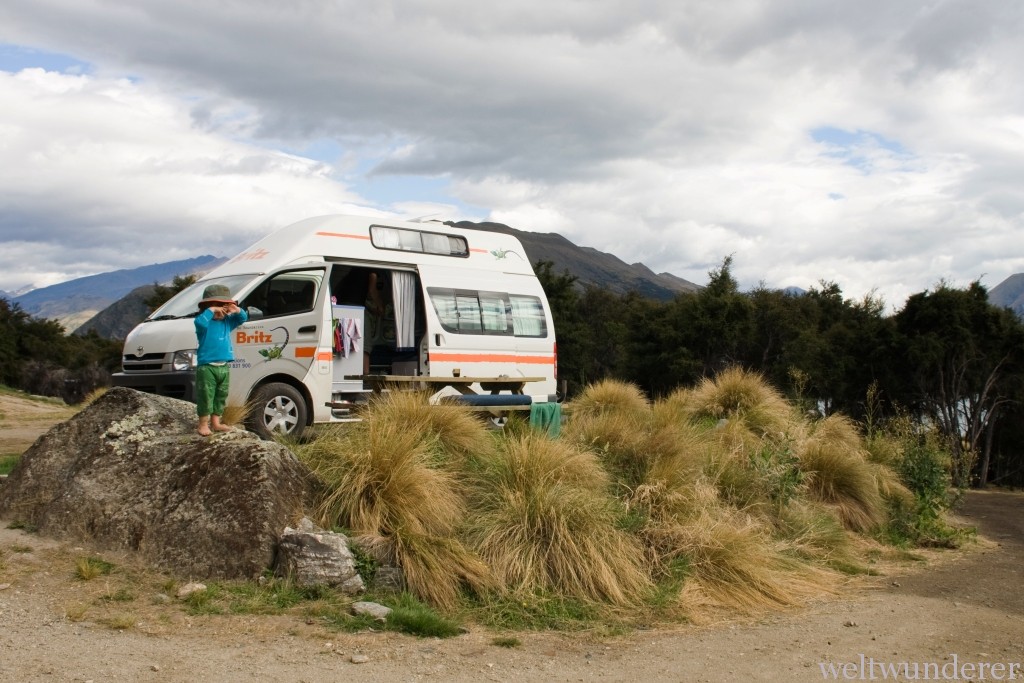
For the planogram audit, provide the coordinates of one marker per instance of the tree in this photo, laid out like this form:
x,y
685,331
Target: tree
x,y
163,293
962,355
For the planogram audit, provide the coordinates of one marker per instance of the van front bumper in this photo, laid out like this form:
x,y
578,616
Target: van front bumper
x,y
174,384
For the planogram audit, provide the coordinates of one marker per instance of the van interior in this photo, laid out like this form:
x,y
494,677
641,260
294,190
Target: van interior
x,y
394,318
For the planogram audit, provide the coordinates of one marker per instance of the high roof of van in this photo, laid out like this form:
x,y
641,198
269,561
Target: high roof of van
x,y
380,240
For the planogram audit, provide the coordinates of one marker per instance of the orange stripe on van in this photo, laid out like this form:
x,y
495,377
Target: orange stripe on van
x,y
491,358
305,351
342,234
479,251
325,355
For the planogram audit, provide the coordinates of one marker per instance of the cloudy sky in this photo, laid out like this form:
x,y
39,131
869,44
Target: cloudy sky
x,y
876,144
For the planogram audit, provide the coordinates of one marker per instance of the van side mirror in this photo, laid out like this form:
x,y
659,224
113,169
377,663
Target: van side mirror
x,y
254,313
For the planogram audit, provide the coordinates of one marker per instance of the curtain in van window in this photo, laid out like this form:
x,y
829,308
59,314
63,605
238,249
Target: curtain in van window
x,y
403,295
527,316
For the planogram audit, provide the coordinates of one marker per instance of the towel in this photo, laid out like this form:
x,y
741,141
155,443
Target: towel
x,y
547,417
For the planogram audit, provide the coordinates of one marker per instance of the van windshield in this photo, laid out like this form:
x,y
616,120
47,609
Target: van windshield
x,y
185,304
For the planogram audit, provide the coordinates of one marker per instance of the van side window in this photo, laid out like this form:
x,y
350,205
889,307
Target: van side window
x,y
287,293
419,241
528,316
465,311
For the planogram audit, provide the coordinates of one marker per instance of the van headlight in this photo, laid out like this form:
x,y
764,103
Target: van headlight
x,y
184,360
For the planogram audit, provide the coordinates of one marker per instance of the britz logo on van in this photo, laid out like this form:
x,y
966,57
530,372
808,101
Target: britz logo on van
x,y
261,337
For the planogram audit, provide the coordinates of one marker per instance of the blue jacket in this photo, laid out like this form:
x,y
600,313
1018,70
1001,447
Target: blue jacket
x,y
215,336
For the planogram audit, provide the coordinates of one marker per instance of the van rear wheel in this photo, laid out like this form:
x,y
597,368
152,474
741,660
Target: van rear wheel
x,y
278,410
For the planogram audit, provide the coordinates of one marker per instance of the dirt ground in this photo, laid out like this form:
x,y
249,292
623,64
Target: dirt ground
x,y
948,616
23,419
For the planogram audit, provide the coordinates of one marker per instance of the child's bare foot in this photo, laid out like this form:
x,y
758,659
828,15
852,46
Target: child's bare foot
x,y
204,430
223,428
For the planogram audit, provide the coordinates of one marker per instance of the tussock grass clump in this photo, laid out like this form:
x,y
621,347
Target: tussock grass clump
x,y
736,394
839,474
610,396
458,434
544,522
633,448
732,562
91,567
389,485
617,438
812,531
380,477
237,415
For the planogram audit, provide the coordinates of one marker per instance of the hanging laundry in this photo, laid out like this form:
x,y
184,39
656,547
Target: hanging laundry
x,y
351,335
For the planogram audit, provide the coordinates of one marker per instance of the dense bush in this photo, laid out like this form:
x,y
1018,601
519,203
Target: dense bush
x,y
38,357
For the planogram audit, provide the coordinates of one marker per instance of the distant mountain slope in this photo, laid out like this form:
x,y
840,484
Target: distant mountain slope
x,y
119,318
1010,294
590,266
76,301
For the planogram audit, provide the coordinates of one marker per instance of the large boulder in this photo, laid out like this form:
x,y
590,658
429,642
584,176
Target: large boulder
x,y
129,472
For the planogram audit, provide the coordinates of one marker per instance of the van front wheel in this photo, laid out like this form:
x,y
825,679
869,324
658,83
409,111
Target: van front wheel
x,y
278,409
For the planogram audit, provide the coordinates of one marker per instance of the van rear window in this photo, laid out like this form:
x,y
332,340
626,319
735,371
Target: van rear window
x,y
401,239
467,311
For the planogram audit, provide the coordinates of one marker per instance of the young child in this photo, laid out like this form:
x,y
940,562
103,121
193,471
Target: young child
x,y
218,315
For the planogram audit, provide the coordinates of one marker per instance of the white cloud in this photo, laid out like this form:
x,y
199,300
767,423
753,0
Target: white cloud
x,y
674,133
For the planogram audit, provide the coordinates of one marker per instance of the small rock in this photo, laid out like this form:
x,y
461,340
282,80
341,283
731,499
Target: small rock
x,y
4,586
155,667
895,583
359,659
850,623
190,588
161,598
373,609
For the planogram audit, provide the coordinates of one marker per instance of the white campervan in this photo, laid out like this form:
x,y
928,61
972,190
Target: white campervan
x,y
334,299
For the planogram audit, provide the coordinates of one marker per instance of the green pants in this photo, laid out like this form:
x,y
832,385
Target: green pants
x,y
212,389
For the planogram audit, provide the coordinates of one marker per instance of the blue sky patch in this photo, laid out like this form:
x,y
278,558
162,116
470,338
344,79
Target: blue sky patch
x,y
14,58
387,190
858,148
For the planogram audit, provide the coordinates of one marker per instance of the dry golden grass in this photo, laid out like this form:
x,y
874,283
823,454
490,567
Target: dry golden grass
x,y
236,415
736,394
388,484
732,562
813,531
839,474
543,521
458,433
610,396
381,477
436,568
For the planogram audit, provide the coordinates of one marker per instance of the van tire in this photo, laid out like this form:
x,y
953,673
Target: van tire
x,y
279,409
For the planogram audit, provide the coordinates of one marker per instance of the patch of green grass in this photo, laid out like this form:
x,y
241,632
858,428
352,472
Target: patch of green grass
x,y
88,568
414,618
408,615
269,596
204,602
18,548
120,595
506,642
7,463
27,527
121,622
274,596
542,612
666,591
